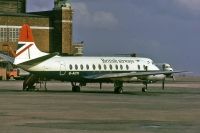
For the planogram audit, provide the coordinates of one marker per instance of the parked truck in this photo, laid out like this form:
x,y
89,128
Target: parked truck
x,y
16,73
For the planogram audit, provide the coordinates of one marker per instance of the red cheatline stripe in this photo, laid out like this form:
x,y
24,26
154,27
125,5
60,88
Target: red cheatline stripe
x,y
20,52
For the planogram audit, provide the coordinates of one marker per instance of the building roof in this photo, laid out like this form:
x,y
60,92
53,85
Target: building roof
x,y
22,15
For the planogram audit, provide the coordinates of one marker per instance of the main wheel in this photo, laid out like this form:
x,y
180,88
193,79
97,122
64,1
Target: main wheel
x,y
76,89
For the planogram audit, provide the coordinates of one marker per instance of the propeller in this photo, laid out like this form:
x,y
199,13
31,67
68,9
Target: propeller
x,y
173,77
163,81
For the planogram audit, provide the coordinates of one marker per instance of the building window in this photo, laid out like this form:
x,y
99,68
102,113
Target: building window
x,y
13,34
3,35
9,34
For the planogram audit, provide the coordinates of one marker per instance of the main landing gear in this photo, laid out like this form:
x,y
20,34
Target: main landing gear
x,y
75,88
29,82
118,87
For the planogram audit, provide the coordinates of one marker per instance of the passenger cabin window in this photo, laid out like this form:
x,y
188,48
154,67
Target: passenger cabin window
x,y
105,67
87,67
145,68
121,67
127,67
76,67
116,67
81,66
99,67
138,67
111,67
70,67
94,67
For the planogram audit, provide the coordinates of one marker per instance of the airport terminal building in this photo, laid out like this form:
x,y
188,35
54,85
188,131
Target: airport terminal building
x,y
52,29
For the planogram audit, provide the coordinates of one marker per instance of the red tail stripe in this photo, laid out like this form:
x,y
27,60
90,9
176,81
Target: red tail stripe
x,y
26,34
20,52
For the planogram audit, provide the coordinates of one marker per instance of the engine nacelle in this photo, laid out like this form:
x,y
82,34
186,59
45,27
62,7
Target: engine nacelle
x,y
167,67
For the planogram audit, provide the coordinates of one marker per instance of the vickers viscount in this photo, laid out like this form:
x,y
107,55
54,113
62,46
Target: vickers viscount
x,y
82,70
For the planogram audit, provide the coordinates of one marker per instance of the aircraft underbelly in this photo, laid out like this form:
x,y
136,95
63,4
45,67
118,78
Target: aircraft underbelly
x,y
79,76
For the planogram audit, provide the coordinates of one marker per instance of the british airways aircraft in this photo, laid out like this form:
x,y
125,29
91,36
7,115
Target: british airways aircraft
x,y
82,70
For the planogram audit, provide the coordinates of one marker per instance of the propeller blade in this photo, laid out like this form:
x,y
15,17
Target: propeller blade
x,y
173,78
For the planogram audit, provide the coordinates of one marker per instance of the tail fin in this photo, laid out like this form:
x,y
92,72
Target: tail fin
x,y
27,50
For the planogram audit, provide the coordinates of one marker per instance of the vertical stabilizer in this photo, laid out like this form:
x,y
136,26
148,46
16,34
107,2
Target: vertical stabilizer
x,y
26,50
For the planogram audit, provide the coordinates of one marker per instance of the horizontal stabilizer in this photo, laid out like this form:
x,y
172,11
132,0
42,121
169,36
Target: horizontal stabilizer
x,y
37,61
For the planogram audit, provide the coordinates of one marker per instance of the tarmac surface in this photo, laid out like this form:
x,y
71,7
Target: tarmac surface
x,y
58,110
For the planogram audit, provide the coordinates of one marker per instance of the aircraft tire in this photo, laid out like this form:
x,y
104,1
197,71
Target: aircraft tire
x,y
144,89
76,89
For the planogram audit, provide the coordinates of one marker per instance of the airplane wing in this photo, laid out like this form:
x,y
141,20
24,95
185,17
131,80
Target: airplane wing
x,y
131,74
37,61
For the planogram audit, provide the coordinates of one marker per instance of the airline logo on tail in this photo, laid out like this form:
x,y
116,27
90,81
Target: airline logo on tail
x,y
26,49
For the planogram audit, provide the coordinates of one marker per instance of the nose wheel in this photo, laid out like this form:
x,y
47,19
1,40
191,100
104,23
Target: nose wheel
x,y
118,90
118,87
144,89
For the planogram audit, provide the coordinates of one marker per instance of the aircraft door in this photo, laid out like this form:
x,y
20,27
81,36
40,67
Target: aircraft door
x,y
62,68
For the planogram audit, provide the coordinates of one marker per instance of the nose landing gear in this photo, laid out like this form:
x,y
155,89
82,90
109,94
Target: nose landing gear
x,y
118,87
144,89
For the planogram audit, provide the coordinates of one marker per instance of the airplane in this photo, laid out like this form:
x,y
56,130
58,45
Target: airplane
x,y
82,70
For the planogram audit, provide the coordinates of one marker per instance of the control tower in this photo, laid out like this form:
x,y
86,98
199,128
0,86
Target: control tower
x,y
13,6
63,27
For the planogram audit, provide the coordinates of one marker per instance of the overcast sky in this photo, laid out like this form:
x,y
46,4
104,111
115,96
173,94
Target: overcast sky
x,y
164,30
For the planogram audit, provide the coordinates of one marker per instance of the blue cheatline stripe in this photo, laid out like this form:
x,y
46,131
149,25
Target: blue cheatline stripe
x,y
20,45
